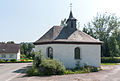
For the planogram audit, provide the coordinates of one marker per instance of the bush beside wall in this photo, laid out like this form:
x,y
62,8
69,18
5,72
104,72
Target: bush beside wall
x,y
42,67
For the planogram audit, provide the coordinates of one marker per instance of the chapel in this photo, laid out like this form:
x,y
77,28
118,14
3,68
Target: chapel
x,y
70,45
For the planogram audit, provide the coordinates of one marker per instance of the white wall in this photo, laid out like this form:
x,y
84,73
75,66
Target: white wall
x,y
18,55
8,56
65,53
15,55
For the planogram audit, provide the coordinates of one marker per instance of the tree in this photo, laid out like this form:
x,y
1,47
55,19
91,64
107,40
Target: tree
x,y
102,27
30,47
113,47
89,30
63,22
10,42
26,49
33,54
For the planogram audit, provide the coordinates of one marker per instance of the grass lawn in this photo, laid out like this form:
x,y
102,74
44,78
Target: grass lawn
x,y
109,63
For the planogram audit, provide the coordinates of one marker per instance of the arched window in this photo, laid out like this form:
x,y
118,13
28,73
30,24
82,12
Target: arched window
x,y
50,52
77,53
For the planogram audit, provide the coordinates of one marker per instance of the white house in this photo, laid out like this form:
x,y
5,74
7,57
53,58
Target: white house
x,y
9,51
70,45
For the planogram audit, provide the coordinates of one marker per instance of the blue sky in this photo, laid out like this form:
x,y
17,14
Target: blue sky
x,y
28,20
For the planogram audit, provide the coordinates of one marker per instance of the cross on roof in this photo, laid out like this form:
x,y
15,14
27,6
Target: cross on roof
x,y
71,6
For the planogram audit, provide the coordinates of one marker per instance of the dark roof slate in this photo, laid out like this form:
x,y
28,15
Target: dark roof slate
x,y
65,34
9,48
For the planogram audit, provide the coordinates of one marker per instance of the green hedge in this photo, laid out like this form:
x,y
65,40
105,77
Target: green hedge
x,y
110,59
15,61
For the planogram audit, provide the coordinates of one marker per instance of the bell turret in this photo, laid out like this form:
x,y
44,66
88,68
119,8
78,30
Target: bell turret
x,y
71,21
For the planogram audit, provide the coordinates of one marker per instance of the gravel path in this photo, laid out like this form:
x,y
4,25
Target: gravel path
x,y
109,73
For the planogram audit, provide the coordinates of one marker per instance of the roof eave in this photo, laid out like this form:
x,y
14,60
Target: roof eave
x,y
66,42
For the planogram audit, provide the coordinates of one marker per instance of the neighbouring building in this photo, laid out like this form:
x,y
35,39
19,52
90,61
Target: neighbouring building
x,y
70,45
9,51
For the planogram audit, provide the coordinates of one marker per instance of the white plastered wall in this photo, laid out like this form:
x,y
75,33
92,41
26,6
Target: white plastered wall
x,y
15,55
8,56
18,55
90,53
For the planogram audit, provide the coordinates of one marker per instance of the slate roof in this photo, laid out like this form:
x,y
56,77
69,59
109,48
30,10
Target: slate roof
x,y
59,34
67,35
9,48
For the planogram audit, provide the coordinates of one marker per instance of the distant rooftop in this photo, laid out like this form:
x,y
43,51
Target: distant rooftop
x,y
9,48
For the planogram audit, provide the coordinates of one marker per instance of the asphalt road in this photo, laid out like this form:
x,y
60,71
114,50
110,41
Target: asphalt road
x,y
109,73
9,71
14,72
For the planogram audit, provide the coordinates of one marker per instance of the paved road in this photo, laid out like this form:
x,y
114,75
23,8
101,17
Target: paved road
x,y
110,73
8,71
13,72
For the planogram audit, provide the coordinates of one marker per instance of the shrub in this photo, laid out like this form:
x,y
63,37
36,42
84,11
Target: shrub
x,y
77,64
1,61
8,61
86,68
69,72
32,71
38,59
13,60
22,60
46,66
22,56
94,69
51,67
110,60
5,60
29,60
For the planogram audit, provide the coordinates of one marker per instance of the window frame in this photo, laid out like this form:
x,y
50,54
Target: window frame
x,y
76,56
3,56
50,52
11,56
